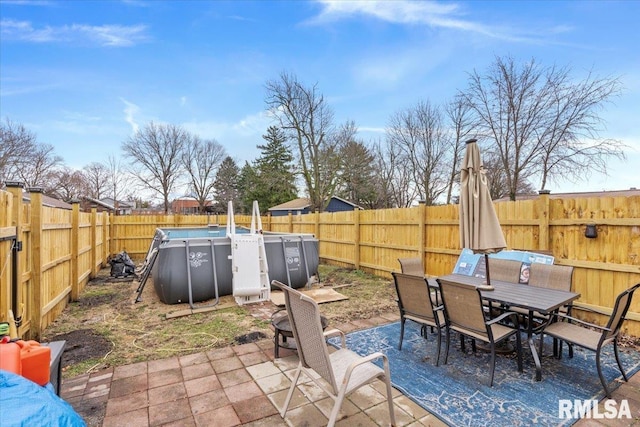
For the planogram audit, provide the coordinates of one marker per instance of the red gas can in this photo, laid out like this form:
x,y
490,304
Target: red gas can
x,y
35,360
10,357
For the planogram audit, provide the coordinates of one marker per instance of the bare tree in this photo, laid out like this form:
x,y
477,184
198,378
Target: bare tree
x,y
419,133
69,184
155,153
39,167
15,144
116,181
96,176
305,116
460,121
394,184
538,119
497,177
571,142
201,159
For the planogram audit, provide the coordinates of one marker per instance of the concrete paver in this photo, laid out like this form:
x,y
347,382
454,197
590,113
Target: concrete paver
x,y
244,385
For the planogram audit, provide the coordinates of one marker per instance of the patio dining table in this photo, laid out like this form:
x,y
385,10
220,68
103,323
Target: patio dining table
x,y
533,299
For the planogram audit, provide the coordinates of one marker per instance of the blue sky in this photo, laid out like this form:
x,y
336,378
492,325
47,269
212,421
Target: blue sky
x,y
84,75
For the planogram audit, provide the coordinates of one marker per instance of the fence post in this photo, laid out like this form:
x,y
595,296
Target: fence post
x,y
316,227
105,241
112,234
94,215
15,188
543,243
422,233
75,236
290,215
356,239
36,262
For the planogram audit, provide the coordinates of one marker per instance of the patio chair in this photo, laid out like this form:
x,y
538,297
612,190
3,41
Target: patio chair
x,y
343,370
412,266
416,303
590,336
415,267
506,270
464,314
550,276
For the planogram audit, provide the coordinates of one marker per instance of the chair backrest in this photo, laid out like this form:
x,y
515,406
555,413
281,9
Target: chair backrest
x,y
551,276
463,307
620,308
414,297
304,317
411,266
506,270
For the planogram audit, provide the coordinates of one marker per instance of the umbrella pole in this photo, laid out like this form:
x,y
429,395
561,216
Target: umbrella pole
x,y
486,266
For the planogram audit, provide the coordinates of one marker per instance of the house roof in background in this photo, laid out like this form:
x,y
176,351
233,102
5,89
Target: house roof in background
x,y
121,203
292,205
48,201
304,202
615,193
347,202
99,202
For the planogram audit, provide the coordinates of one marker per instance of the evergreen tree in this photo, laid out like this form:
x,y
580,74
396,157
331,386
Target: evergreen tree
x,y
246,189
226,185
358,177
273,178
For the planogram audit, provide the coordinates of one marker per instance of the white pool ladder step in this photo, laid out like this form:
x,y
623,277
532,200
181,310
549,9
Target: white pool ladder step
x,y
248,260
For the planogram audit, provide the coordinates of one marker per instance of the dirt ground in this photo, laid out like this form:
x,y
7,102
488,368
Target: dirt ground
x,y
106,327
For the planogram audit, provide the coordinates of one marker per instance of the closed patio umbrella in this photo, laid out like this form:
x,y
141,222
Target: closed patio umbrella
x,y
479,226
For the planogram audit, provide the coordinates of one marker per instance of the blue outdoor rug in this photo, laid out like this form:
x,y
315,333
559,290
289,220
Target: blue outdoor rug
x,y
459,394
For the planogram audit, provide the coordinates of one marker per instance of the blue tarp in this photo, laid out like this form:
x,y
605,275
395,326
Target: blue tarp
x,y
25,403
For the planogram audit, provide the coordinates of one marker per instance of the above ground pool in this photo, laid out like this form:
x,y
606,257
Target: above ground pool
x,y
193,264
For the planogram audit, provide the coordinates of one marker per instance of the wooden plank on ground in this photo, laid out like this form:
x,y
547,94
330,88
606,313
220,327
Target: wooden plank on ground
x,y
190,311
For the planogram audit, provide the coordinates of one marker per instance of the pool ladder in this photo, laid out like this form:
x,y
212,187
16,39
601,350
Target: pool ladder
x,y
249,268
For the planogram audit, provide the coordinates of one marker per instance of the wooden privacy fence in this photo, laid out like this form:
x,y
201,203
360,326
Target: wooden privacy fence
x,y
370,240
48,255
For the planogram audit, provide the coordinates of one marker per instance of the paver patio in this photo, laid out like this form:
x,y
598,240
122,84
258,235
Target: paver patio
x,y
244,385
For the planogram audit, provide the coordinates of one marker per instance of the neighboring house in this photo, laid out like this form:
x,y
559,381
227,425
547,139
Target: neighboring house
x,y
122,207
614,193
187,206
105,205
303,206
48,201
338,204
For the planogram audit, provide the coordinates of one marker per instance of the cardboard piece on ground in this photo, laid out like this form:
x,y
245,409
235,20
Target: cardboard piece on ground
x,y
319,295
190,311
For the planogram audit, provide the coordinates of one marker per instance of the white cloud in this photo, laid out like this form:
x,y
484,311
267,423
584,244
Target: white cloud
x,y
391,11
129,111
433,14
102,35
251,125
371,129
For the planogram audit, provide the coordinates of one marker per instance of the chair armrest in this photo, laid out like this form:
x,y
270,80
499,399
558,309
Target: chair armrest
x,y
581,322
335,333
503,316
365,359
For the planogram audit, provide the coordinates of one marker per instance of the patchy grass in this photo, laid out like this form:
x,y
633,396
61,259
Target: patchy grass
x,y
105,327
